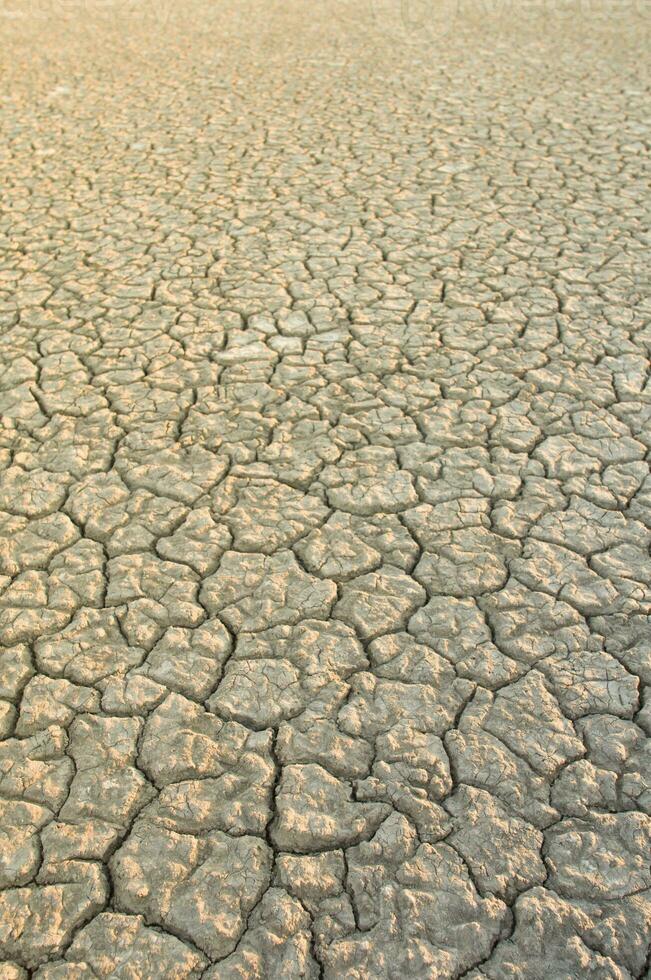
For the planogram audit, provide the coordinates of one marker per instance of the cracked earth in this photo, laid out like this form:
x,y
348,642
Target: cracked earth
x,y
325,506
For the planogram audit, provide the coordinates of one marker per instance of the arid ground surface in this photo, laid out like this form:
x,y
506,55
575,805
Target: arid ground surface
x,y
325,504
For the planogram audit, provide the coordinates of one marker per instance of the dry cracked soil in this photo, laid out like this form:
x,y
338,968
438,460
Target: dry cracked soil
x,y
325,505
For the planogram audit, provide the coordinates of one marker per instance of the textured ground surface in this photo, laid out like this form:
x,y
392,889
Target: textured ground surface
x,y
325,507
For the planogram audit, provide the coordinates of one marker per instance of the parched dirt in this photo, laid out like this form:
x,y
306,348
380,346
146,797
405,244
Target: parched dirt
x,y
325,506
